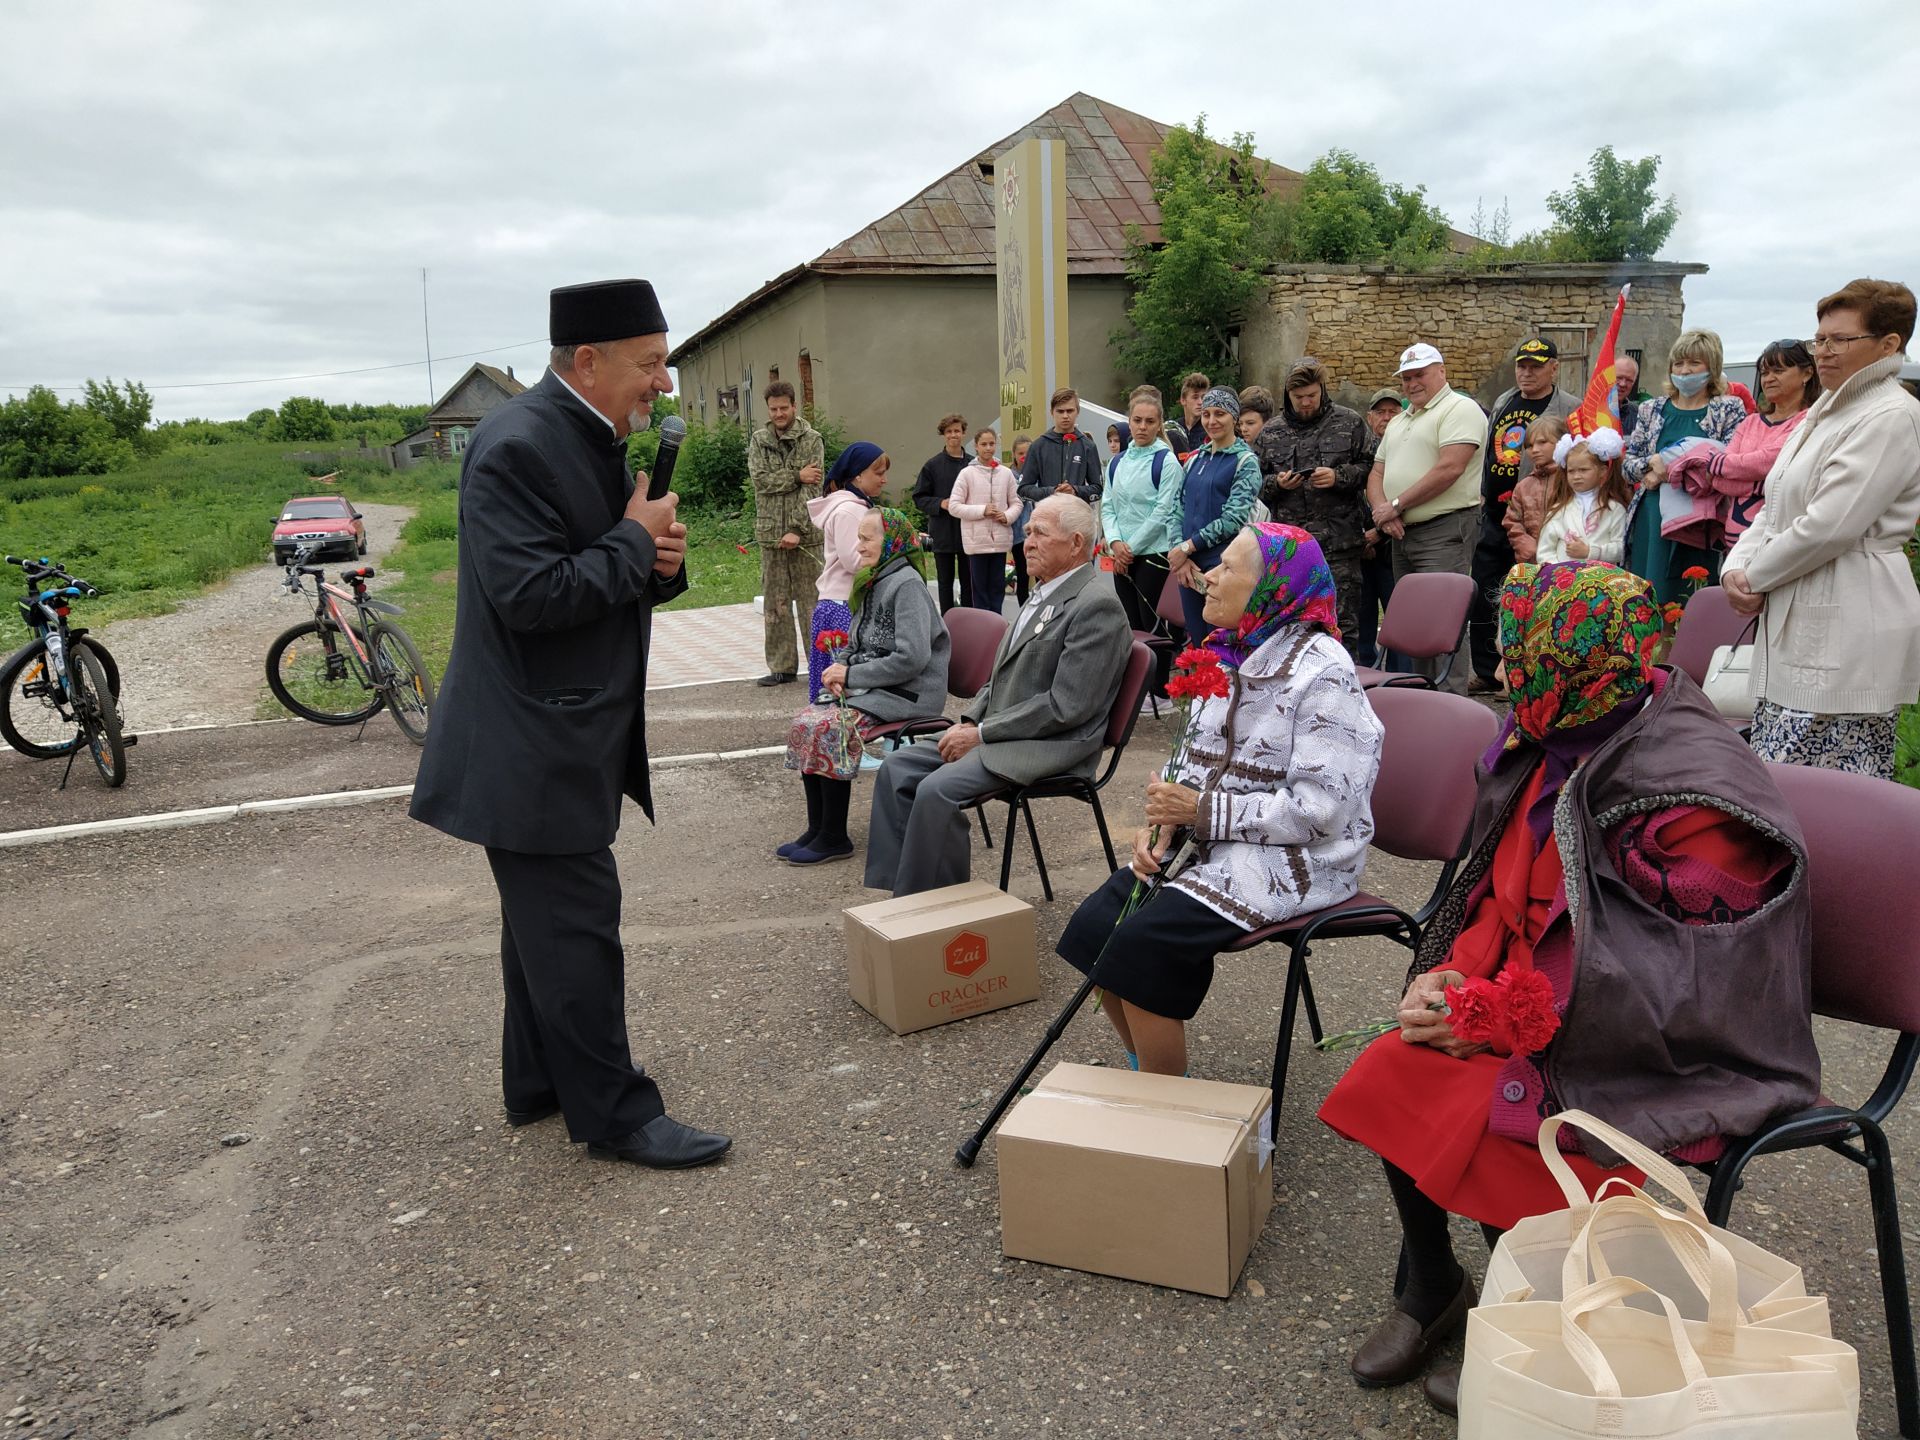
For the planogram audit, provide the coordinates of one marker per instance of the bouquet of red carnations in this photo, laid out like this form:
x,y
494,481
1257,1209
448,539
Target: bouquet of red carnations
x,y
1512,1014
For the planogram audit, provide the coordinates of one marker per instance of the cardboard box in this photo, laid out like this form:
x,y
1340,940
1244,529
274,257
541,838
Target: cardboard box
x,y
922,960
1148,1177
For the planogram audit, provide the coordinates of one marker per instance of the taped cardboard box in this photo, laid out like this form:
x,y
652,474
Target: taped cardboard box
x,y
1149,1177
922,960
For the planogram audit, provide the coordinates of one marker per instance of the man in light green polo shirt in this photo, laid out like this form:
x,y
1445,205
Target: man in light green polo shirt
x,y
1425,485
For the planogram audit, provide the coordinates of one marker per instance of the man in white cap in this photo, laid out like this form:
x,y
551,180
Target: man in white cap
x,y
1425,486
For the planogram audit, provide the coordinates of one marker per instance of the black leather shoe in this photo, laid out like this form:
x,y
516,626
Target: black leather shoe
x,y
534,1116
664,1144
1399,1348
1442,1389
778,677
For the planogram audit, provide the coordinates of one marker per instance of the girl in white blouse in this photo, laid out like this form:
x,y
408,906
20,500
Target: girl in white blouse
x,y
1587,506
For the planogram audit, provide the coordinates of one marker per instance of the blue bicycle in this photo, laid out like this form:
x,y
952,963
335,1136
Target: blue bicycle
x,y
61,690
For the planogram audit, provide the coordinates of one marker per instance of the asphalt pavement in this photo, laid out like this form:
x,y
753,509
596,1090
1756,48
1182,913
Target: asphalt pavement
x,y
257,1181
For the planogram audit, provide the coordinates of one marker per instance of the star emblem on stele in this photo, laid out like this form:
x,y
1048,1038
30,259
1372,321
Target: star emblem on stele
x,y
1010,190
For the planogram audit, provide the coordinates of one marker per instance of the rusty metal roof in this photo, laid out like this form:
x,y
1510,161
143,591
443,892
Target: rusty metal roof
x,y
948,227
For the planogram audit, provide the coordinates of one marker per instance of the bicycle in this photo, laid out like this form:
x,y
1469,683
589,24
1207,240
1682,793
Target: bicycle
x,y
340,668
61,689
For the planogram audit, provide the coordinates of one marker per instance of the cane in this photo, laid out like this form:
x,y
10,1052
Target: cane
x,y
970,1150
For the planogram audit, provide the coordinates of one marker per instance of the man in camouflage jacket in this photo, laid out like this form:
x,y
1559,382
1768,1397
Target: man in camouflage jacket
x,y
786,460
1314,458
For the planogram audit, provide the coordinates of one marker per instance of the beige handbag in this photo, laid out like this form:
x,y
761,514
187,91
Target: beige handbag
x,y
1545,1257
1592,1365
1729,678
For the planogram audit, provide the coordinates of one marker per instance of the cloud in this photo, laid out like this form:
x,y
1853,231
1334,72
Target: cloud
x,y
194,192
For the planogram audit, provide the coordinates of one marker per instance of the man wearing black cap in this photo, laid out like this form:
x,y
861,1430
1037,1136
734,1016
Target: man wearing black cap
x,y
1536,366
540,728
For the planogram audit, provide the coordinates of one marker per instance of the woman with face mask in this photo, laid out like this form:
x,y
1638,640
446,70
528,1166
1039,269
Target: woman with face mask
x,y
1696,406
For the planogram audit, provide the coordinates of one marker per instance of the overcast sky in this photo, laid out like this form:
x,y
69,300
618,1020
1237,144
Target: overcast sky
x,y
200,192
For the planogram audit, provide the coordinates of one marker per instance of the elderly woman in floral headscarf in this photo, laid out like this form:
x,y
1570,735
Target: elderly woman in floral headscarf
x,y
1273,782
1677,1008
891,666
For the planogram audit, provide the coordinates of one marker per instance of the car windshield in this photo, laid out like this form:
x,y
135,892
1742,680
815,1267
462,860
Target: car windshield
x,y
315,510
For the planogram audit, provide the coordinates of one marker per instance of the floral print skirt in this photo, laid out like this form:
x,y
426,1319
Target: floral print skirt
x,y
1862,744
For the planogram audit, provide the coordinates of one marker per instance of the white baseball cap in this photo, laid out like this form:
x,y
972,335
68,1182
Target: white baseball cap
x,y
1418,357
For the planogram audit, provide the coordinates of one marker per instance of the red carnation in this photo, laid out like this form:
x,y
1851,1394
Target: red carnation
x,y
1504,496
828,641
1473,1011
1531,1016
1694,572
1070,436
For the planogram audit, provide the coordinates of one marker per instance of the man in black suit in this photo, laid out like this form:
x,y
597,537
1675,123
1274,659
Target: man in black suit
x,y
541,727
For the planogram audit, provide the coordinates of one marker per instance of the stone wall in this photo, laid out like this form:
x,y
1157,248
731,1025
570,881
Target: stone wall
x,y
1357,320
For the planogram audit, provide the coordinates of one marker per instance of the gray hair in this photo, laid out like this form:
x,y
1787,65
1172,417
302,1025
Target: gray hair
x,y
1076,517
564,357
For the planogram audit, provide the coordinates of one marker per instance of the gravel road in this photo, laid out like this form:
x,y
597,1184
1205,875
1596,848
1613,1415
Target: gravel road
x,y
203,664
384,1257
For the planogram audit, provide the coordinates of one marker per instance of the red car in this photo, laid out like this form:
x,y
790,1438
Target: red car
x,y
327,523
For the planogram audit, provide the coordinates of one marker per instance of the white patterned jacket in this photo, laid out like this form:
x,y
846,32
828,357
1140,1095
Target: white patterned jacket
x,y
1285,816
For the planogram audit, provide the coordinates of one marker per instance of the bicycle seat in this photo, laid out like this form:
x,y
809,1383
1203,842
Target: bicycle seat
x,y
312,570
365,572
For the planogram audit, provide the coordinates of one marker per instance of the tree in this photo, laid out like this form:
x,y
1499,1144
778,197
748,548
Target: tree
x,y
302,417
1613,214
1217,225
127,411
41,436
1344,214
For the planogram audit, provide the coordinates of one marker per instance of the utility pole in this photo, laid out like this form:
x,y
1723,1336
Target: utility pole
x,y
427,330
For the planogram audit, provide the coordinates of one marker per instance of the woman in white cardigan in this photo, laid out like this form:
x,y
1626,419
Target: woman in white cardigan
x,y
1837,649
1274,784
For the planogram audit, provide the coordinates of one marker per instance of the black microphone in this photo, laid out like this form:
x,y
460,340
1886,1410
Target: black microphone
x,y
672,431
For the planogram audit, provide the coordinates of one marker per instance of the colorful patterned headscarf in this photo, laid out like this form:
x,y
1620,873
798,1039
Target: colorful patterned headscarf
x,y
1578,638
1295,588
901,537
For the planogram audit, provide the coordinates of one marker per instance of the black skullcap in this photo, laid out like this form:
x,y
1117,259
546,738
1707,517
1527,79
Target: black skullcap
x,y
603,310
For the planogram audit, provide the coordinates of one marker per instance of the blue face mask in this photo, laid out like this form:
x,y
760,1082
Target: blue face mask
x,y
1689,385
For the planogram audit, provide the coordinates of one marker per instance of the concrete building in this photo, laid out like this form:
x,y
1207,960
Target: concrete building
x,y
896,326
444,434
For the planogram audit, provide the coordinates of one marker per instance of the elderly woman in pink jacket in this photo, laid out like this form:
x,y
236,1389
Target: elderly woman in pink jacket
x,y
986,502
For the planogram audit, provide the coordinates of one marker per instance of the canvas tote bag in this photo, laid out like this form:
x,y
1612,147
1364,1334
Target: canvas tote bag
x,y
1592,1365
1663,1248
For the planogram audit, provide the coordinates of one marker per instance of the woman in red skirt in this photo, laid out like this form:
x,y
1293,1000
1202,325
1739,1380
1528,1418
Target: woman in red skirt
x,y
1628,847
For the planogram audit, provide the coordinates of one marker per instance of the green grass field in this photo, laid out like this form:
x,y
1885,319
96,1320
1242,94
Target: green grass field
x,y
167,529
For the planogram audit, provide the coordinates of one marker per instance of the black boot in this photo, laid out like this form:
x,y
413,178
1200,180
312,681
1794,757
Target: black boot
x,y
831,842
812,784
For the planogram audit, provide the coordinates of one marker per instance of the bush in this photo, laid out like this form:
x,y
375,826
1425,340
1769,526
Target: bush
x,y
712,474
436,519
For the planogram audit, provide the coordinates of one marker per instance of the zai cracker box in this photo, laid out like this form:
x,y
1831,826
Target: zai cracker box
x,y
922,960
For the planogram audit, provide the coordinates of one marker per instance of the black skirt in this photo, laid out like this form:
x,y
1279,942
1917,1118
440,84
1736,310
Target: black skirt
x,y
1161,958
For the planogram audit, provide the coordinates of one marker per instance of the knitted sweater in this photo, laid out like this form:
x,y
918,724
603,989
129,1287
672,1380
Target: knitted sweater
x,y
1285,771
1840,634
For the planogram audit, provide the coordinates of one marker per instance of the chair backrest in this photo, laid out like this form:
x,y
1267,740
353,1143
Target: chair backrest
x,y
1429,770
1426,615
1168,605
976,637
1126,705
1707,623
1862,837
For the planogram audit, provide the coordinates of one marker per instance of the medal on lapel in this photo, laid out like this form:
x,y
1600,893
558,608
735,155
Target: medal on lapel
x,y
1041,623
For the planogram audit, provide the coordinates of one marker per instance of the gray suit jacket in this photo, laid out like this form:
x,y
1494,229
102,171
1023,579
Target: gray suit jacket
x,y
1044,709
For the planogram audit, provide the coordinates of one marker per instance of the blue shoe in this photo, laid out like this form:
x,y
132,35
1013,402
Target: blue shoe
x,y
819,854
792,845
870,761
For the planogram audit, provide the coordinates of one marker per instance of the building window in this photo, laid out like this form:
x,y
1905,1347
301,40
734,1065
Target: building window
x,y
773,373
806,381
729,403
418,450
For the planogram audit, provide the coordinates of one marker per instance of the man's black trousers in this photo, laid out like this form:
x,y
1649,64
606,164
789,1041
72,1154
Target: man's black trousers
x,y
564,1038
1492,559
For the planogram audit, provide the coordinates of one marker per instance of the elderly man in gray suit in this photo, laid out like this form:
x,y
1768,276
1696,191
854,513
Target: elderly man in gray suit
x,y
1043,711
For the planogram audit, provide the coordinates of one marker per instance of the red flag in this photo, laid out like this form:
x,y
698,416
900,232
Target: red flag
x,y
1599,408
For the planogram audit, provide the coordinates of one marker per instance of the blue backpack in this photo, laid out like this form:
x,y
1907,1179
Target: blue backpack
x,y
1159,461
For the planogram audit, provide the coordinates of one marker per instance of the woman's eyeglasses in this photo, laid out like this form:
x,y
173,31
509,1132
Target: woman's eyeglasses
x,y
1830,343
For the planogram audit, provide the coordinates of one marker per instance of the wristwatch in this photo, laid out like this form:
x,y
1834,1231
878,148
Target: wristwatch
x,y
1395,503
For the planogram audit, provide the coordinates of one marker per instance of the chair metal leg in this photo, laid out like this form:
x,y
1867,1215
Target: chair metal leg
x,y
1039,860
1006,850
986,830
1306,994
1106,839
1283,1043
1893,1275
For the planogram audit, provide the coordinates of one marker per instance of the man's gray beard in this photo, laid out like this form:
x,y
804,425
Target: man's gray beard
x,y
636,422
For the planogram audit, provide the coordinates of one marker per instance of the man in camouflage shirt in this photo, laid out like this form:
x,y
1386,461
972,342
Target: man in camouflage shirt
x,y
786,460
1314,458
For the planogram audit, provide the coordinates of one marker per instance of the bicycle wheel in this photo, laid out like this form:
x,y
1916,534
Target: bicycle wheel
x,y
37,726
99,717
313,671
403,680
